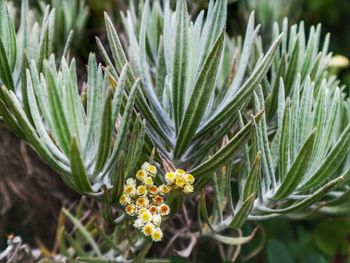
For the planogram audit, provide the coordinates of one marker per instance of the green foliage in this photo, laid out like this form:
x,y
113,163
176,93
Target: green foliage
x,y
188,104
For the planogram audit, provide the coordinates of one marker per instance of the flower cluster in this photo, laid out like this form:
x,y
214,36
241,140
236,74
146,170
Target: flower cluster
x,y
145,200
180,180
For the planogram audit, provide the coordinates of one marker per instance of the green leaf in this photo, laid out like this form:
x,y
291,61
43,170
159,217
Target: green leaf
x,y
200,96
83,231
226,152
315,196
180,61
297,169
332,162
79,175
284,151
251,184
57,112
243,94
105,135
234,241
5,72
240,217
106,205
292,69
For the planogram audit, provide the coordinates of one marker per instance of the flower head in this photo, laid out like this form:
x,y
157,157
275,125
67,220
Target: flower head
x,y
129,190
131,182
142,201
164,209
145,166
158,199
180,182
148,229
189,178
157,235
124,199
157,219
148,181
188,189
145,216
163,189
153,190
153,209
170,178
152,170
130,209
180,172
141,175
141,190
138,223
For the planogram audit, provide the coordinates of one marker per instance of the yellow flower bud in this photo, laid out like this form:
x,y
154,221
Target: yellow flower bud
x,y
188,189
129,190
152,170
142,201
180,172
189,178
145,216
124,199
141,175
130,210
141,190
170,178
147,230
148,181
163,189
180,182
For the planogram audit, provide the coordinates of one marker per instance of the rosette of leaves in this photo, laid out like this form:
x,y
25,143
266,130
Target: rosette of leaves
x,y
83,143
188,99
295,165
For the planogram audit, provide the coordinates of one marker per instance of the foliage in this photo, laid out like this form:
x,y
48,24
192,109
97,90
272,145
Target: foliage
x,y
263,128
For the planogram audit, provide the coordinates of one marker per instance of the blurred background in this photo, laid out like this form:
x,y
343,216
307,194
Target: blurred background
x,y
31,194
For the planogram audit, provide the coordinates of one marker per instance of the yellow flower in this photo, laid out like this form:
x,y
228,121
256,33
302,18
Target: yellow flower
x,y
157,235
180,182
145,216
141,190
142,210
147,229
170,178
141,175
188,189
130,210
129,190
124,199
152,170
164,209
163,189
180,172
148,181
189,178
142,201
